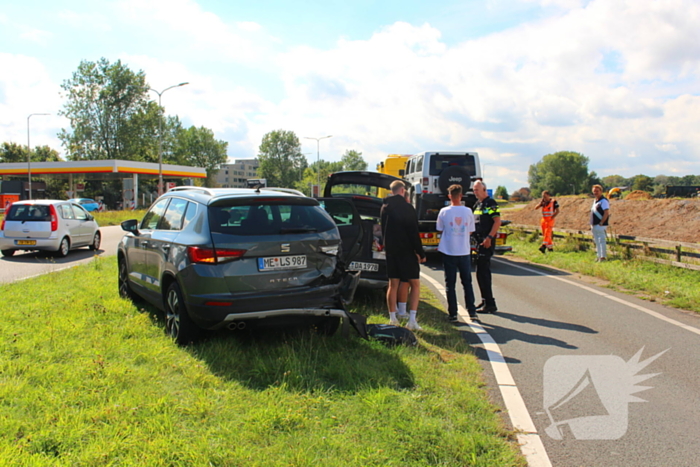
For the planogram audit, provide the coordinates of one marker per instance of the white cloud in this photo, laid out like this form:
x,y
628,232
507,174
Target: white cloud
x,y
25,88
667,147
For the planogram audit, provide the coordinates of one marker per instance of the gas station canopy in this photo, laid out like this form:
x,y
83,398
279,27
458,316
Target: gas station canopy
x,y
101,169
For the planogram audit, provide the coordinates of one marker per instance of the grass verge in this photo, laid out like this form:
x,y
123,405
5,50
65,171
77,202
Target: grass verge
x,y
106,218
88,379
661,283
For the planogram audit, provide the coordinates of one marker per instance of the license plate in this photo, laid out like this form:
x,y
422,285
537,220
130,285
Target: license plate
x,y
277,263
430,241
358,266
500,241
26,242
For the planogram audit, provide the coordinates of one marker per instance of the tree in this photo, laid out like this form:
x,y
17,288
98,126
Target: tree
x,y
13,152
197,147
642,183
612,181
45,154
280,158
352,160
502,192
560,173
103,99
310,175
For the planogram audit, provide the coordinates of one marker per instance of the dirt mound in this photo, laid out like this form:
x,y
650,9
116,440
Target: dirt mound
x,y
638,194
666,219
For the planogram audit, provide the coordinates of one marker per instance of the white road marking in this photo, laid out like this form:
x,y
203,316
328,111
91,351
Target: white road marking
x,y
608,296
530,442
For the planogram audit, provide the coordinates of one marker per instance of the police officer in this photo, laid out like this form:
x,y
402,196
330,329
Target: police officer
x,y
488,221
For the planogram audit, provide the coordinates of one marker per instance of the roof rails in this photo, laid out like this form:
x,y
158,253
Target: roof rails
x,y
187,188
284,190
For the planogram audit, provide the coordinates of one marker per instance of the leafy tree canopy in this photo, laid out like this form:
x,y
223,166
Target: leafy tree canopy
x,y
103,98
198,147
352,160
13,152
561,173
280,159
502,192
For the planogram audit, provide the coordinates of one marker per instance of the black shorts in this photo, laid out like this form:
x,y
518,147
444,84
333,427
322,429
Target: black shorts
x,y
403,266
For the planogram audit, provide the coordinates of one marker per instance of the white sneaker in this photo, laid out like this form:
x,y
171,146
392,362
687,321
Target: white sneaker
x,y
401,315
393,321
413,326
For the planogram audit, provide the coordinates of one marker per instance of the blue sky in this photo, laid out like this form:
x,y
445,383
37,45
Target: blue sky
x,y
616,80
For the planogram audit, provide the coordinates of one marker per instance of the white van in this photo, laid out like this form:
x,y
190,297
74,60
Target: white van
x,y
429,174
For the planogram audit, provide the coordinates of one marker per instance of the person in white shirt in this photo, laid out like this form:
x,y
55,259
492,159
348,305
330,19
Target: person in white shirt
x,y
600,213
456,222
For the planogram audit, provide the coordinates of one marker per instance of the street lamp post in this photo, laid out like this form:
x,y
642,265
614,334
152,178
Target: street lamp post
x,y
160,138
29,156
318,160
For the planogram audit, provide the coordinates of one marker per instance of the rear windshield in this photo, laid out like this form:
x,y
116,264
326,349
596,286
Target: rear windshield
x,y
438,163
29,212
268,218
346,188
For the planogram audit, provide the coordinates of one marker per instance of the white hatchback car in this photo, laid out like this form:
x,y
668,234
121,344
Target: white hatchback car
x,y
48,225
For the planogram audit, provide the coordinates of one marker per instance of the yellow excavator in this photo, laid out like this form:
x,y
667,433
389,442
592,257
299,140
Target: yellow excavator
x,y
615,192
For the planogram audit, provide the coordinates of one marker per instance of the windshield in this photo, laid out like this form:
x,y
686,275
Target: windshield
x,y
272,218
438,163
29,212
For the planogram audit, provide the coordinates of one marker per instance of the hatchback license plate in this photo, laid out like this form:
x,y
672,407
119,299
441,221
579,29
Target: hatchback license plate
x,y
276,263
358,266
26,242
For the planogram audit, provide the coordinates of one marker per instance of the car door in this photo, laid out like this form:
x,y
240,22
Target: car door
x,y
84,227
68,223
163,241
139,251
349,223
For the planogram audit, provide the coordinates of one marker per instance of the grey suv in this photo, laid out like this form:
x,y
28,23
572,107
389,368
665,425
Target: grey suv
x,y
232,258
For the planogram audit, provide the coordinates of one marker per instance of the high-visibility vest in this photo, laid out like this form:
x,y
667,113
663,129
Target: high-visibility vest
x,y
548,209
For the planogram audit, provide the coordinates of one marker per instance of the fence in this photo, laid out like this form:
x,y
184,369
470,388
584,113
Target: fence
x,y
686,255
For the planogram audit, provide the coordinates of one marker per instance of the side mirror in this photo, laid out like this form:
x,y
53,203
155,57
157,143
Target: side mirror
x,y
132,226
402,172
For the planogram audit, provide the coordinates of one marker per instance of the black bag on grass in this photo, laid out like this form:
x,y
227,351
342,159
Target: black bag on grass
x,y
390,335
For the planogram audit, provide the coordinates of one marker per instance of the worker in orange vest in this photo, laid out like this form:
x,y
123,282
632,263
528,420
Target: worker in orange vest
x,y
550,209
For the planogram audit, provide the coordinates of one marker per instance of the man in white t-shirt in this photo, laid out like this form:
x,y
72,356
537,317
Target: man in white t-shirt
x,y
456,222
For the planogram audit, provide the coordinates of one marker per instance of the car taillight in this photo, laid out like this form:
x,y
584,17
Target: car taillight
x,y
212,255
54,218
426,235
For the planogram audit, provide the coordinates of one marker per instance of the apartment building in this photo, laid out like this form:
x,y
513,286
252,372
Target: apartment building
x,y
235,174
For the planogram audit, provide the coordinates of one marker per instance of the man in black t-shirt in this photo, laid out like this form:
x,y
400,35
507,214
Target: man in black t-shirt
x,y
404,251
488,221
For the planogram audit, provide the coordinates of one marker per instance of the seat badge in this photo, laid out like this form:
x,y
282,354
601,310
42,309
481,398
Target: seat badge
x,y
285,247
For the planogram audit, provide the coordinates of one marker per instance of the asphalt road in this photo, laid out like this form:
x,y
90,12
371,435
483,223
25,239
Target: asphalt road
x,y
590,333
24,265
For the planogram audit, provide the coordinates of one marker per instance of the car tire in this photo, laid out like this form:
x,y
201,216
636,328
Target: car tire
x,y
96,241
8,253
63,248
178,324
125,290
328,326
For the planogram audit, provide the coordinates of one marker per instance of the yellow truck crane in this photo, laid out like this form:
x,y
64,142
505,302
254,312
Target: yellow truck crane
x,y
394,164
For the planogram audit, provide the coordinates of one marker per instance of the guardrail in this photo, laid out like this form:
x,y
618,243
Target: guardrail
x,y
679,250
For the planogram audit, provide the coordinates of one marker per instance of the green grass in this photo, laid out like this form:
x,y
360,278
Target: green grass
x,y
665,284
88,379
106,218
